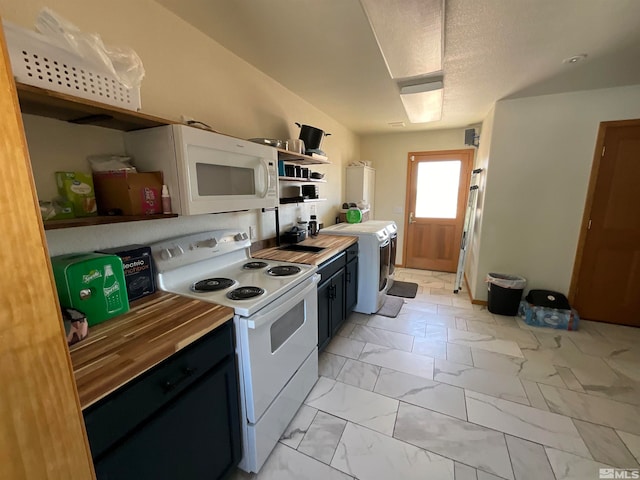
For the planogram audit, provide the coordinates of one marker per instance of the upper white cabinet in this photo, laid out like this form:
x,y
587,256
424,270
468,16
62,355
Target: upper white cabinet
x,y
360,185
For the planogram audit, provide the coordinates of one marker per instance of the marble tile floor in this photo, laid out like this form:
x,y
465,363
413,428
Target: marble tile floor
x,y
448,390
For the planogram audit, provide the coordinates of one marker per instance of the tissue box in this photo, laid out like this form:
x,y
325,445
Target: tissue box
x,y
127,193
77,187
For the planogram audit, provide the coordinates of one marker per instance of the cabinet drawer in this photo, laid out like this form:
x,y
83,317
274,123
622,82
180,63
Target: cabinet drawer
x,y
331,266
352,252
122,411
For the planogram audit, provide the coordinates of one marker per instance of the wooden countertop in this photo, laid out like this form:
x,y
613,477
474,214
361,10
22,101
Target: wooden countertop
x,y
332,244
118,350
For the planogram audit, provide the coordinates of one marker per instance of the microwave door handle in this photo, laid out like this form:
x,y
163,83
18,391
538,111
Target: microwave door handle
x,y
261,320
265,168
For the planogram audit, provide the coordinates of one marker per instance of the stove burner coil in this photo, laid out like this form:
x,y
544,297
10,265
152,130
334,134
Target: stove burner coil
x,y
254,265
244,293
212,284
283,270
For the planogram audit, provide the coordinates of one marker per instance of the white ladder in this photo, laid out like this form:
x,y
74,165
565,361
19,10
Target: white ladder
x,y
468,223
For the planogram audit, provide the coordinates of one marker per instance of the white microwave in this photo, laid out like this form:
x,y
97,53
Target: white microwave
x,y
207,172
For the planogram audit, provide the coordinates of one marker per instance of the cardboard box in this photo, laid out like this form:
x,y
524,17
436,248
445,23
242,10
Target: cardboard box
x,y
77,187
138,269
126,193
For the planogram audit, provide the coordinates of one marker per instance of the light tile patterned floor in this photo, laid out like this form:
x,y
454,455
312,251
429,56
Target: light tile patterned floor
x,y
448,390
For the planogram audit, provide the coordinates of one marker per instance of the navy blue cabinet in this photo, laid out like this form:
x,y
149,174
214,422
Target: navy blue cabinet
x,y
337,293
179,420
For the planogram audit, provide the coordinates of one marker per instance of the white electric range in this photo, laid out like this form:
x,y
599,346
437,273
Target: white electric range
x,y
276,324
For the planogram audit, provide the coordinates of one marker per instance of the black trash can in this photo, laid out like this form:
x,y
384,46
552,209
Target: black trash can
x,y
505,293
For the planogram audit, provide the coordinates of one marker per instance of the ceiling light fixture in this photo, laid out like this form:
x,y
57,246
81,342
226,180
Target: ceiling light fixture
x,y
423,107
422,98
409,34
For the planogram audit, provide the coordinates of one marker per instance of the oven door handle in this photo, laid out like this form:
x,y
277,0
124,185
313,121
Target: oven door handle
x,y
264,319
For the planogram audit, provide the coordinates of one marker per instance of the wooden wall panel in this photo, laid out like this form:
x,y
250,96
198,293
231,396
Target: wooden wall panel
x,y
41,430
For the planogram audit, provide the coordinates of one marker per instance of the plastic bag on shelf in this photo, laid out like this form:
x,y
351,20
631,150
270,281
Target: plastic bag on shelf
x,y
121,62
110,163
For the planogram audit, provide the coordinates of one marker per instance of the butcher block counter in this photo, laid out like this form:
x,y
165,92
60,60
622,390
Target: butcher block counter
x,y
120,349
332,244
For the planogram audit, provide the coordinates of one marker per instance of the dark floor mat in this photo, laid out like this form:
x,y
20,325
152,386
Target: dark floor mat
x,y
391,307
403,289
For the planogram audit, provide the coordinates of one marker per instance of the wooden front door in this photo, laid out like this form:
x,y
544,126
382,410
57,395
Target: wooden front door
x,y
606,280
437,188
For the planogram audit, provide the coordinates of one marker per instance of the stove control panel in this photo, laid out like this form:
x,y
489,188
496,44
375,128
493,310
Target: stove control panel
x,y
177,252
209,243
168,253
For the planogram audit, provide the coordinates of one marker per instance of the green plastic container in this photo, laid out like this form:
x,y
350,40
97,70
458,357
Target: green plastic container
x,y
354,215
92,283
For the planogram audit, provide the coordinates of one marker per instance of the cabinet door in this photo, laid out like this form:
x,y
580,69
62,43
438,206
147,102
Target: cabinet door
x,y
197,436
351,287
337,301
324,312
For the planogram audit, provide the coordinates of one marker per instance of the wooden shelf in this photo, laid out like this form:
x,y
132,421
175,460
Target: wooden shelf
x,y
46,103
306,200
301,180
299,159
102,220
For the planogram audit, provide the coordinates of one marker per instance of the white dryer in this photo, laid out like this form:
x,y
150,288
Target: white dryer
x,y
373,262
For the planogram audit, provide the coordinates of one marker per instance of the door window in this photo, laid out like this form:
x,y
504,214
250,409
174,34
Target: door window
x,y
437,192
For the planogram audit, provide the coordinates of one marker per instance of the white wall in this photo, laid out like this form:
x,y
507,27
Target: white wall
x,y
186,73
473,242
539,164
389,154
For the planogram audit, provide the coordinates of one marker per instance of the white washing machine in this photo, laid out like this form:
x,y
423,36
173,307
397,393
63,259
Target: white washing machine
x,y
373,261
392,229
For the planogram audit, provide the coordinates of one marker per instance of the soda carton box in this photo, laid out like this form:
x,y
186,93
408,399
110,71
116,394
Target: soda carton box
x,y
138,269
77,188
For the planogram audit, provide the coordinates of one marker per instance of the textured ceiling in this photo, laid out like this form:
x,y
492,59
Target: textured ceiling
x,y
325,51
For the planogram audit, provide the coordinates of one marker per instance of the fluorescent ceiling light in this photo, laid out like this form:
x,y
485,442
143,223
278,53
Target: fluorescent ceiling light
x,y
409,34
421,87
423,107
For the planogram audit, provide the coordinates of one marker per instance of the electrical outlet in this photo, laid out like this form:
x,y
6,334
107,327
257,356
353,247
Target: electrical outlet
x,y
253,232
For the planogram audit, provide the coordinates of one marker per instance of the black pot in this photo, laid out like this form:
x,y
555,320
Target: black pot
x,y
311,136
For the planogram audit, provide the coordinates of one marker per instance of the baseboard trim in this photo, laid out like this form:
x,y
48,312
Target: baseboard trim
x,y
473,300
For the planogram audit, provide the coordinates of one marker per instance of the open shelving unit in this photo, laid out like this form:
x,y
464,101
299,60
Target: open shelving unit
x,y
60,106
300,159
301,180
102,220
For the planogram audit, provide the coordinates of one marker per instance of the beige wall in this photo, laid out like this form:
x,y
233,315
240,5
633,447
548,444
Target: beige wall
x,y
389,155
538,169
186,73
